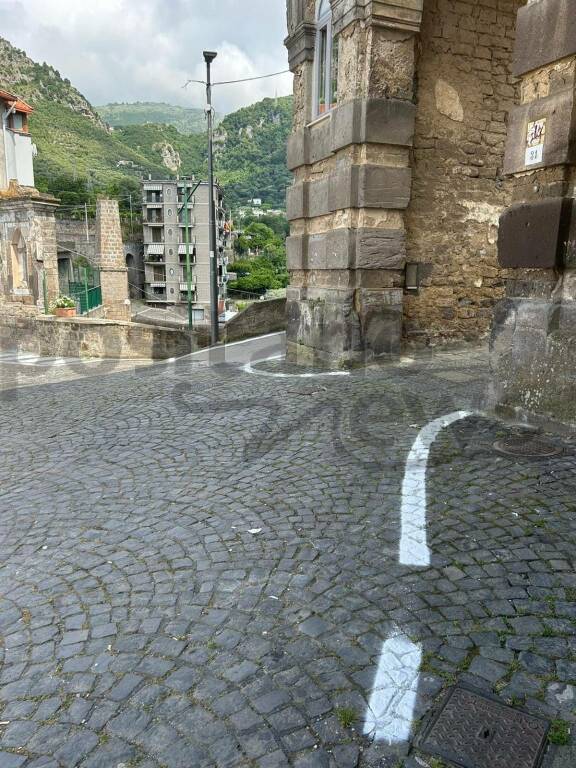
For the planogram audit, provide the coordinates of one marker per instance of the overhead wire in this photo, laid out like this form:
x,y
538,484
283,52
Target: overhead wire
x,y
241,80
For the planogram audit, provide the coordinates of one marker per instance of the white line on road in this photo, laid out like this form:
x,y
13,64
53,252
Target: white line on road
x,y
37,361
394,692
414,540
247,368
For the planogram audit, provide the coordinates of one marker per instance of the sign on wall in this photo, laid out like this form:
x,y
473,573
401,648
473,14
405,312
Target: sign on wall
x,y
535,140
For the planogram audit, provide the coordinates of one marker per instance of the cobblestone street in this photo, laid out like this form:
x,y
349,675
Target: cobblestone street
x,y
200,566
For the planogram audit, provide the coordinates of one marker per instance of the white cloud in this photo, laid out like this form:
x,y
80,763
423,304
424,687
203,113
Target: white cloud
x,y
145,50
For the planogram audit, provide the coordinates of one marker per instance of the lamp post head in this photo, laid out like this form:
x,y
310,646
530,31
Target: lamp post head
x,y
209,56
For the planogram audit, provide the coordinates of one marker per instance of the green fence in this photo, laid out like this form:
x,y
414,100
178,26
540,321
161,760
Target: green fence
x,y
84,286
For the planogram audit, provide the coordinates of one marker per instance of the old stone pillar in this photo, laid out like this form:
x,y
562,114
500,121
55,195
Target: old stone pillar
x,y
534,334
110,260
352,181
28,255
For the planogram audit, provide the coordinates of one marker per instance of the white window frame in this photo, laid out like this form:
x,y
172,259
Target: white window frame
x,y
323,23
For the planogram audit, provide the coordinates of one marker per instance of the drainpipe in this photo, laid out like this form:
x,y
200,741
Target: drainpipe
x,y
5,117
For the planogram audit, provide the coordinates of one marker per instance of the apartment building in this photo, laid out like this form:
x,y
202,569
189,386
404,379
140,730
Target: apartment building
x,y
164,222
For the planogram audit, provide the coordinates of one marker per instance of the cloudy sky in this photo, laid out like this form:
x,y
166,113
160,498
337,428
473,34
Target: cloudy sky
x,y
145,50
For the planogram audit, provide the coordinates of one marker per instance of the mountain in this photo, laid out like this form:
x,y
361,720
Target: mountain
x,y
79,156
40,82
185,120
249,150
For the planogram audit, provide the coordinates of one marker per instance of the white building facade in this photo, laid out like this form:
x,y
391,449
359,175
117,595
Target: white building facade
x,y
16,148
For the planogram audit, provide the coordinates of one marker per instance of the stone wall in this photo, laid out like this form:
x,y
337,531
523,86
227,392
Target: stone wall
x,y
352,181
465,91
73,241
407,167
257,319
533,345
87,337
27,247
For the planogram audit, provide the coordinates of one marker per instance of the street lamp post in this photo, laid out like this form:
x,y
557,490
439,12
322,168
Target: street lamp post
x,y
209,57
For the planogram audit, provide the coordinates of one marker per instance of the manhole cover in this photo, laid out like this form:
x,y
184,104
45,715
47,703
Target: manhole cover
x,y
527,446
473,731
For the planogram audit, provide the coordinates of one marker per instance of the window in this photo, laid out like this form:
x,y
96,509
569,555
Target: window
x,y
326,61
17,121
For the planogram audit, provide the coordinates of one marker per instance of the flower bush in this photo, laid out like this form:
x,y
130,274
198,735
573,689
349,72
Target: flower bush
x,y
63,302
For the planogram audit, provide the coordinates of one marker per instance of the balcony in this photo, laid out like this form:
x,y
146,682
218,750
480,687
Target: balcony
x,y
184,286
154,249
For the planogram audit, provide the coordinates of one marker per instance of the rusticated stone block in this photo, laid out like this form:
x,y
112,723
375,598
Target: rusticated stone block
x,y
559,144
545,32
380,249
533,235
370,186
376,121
366,249
297,201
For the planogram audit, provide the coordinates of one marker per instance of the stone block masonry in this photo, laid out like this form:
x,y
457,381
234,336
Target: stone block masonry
x,y
28,257
533,349
88,337
406,167
111,261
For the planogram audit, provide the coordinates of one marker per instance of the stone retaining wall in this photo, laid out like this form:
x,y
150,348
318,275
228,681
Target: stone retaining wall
x,y
257,319
83,337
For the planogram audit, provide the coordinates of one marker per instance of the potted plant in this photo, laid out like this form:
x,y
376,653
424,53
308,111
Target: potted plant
x,y
64,306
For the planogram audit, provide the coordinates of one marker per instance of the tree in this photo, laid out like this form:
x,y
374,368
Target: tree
x,y
257,237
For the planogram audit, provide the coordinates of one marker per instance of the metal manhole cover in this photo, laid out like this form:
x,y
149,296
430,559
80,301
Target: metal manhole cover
x,y
473,731
527,446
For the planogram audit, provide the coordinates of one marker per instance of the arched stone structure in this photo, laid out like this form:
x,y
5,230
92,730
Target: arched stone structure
x,y
28,257
407,169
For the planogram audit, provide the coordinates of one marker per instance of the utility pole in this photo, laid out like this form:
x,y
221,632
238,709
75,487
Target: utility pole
x,y
209,57
131,218
187,198
86,222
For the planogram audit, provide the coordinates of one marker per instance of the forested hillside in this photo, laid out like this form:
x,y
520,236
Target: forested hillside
x,y
186,119
79,157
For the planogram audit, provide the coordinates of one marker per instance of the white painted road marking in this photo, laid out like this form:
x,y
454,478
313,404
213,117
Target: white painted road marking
x,y
395,690
37,361
247,368
394,694
414,539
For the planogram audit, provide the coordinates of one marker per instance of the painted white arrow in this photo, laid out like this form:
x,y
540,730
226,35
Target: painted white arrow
x,y
414,548
394,693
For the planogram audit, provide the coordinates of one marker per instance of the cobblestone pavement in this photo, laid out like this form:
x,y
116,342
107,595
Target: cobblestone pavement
x,y
199,567
24,369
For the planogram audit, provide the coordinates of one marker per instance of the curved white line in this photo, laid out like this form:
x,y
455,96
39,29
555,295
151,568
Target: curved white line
x,y
394,692
247,368
414,540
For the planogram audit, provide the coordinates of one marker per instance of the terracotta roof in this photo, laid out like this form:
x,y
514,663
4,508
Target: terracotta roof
x,y
12,100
